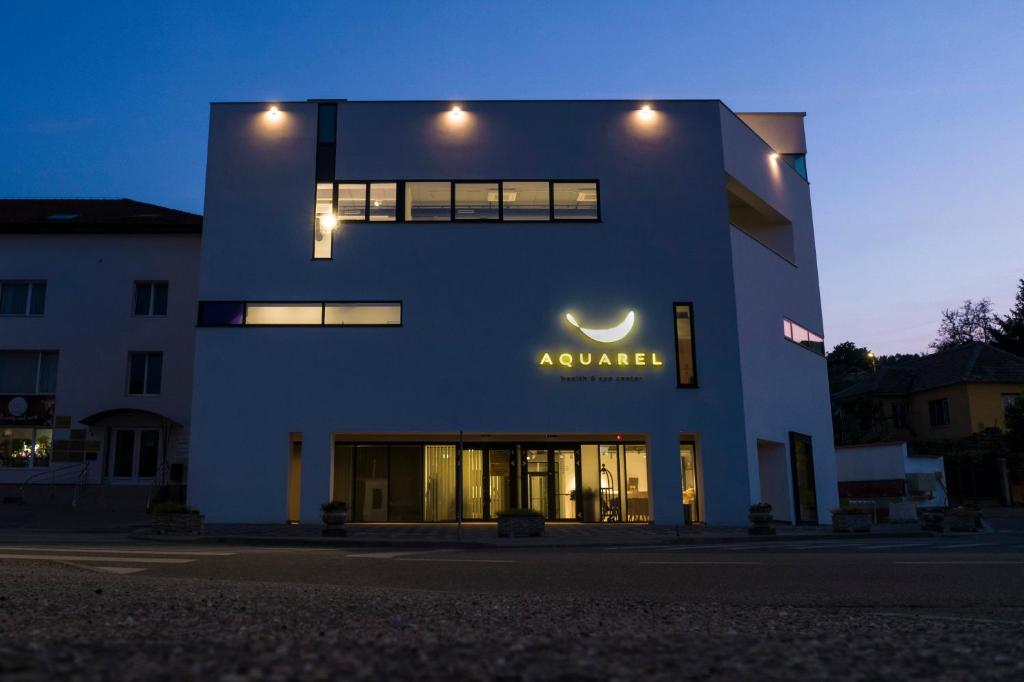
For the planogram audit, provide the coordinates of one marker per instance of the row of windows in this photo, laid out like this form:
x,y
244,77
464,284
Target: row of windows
x,y
803,336
18,298
279,314
32,372
447,201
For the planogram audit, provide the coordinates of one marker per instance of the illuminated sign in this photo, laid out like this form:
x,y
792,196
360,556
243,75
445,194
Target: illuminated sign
x,y
619,358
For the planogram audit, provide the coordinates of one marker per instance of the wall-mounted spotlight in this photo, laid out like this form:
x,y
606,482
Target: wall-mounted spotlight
x,y
646,112
274,113
328,221
774,156
456,112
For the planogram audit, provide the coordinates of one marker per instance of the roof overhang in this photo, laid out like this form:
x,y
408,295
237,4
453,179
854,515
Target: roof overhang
x,y
104,415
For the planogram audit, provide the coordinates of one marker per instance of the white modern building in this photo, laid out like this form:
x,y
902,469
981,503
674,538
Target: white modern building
x,y
601,310
97,317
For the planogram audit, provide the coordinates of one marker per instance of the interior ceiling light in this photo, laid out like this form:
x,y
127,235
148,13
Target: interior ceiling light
x,y
328,221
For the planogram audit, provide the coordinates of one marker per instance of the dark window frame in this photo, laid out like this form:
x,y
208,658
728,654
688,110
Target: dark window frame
x,y
146,355
693,343
794,436
152,284
30,298
37,384
940,405
323,314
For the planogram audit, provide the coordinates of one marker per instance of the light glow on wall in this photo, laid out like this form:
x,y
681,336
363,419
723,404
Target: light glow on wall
x,y
273,113
456,113
646,113
608,335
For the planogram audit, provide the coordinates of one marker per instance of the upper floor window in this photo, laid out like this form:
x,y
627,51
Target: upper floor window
x,y
150,299
22,298
899,415
1008,399
430,201
938,412
575,201
283,314
686,357
28,371
803,336
145,373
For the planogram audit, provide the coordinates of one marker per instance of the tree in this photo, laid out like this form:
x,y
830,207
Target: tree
x,y
1008,332
969,323
848,363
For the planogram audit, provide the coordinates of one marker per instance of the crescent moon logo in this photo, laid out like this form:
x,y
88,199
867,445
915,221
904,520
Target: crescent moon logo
x,y
609,335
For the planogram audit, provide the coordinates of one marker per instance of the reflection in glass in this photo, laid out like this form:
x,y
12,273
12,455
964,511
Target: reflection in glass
x,y
688,462
371,474
383,201
565,484
149,452
406,470
611,504
575,200
637,495
352,201
341,478
322,239
526,200
428,201
472,484
439,483
476,201
500,481
537,481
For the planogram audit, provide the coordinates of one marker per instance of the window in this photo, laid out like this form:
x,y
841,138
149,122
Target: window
x,y
352,201
383,201
269,314
22,448
283,313
428,201
938,412
135,453
1008,399
803,337
798,162
28,372
145,372
363,314
686,360
899,415
691,499
476,201
323,221
150,299
22,298
526,200
575,201
801,454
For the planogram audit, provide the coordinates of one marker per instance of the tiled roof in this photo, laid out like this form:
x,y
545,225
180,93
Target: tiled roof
x,y
971,363
93,216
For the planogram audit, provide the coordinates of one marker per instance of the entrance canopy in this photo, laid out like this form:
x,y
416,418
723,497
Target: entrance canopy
x,y
128,412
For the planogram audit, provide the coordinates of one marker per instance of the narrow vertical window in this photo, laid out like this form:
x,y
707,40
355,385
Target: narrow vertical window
x,y
686,363
324,221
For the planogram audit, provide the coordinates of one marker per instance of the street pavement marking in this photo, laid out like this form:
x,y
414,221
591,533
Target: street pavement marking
x,y
117,570
392,555
902,544
683,548
93,550
958,563
972,544
74,558
464,561
700,563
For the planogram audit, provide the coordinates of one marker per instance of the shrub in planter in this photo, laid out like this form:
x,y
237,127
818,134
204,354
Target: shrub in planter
x,y
175,518
761,519
933,520
963,519
851,519
334,515
520,523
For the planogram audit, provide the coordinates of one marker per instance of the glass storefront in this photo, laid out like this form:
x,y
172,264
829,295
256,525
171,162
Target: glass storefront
x,y
688,464
421,482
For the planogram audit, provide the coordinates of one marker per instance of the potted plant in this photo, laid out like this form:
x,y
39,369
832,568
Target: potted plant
x,y
933,519
851,519
761,519
175,518
334,515
520,523
963,519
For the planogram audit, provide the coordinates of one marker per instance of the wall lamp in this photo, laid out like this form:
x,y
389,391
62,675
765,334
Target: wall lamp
x,y
646,112
274,113
328,221
456,112
774,156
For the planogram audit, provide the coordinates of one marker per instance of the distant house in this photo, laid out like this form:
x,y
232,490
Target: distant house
x,y
950,404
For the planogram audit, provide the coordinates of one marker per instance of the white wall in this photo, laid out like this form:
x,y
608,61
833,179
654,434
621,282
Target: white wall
x,y
88,320
881,462
480,301
775,479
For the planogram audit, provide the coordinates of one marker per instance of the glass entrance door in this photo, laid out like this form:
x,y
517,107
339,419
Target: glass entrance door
x,y
500,486
536,487
551,479
802,456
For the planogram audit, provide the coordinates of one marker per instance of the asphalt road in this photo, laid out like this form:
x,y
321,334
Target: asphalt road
x,y
858,608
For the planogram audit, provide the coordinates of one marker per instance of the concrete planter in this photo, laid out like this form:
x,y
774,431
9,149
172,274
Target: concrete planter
x,y
933,520
520,526
963,522
851,523
177,524
761,523
334,522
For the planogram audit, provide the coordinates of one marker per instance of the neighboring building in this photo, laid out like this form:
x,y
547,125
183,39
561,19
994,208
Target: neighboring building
x,y
943,396
612,308
97,314
890,472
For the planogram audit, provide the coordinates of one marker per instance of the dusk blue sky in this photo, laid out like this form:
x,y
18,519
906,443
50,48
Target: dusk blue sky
x,y
914,109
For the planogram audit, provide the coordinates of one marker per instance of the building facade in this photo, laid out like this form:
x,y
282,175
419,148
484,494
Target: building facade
x,y
601,310
97,316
